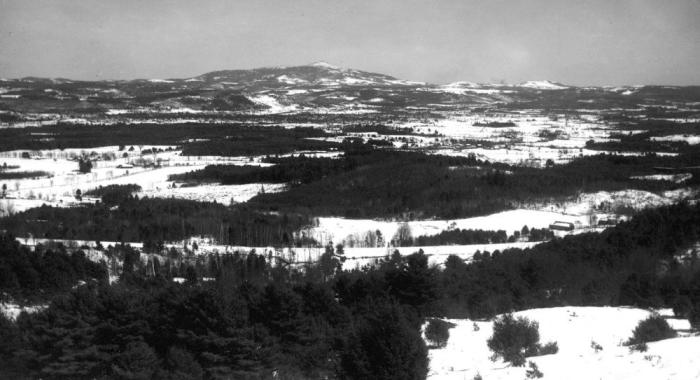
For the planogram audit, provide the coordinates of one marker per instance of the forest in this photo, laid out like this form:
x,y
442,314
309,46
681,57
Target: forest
x,y
367,181
415,185
156,220
256,320
223,139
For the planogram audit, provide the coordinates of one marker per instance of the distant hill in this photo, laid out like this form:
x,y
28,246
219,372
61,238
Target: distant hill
x,y
318,87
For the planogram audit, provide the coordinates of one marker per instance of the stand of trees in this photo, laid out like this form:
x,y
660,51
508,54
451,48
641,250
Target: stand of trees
x,y
254,321
416,185
24,174
465,237
27,274
114,194
636,263
224,139
154,219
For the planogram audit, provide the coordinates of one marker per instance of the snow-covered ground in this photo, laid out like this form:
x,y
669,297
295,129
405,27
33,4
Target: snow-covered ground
x,y
59,187
542,85
583,211
339,230
690,139
677,178
603,204
527,137
224,194
574,329
12,310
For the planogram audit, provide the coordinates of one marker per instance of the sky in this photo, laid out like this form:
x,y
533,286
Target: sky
x,y
578,42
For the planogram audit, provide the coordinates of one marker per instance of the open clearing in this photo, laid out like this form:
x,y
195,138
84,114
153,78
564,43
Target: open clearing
x,y
574,329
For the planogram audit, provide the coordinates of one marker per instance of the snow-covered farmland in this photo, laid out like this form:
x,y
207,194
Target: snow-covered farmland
x,y
225,194
691,140
575,329
119,168
602,204
339,230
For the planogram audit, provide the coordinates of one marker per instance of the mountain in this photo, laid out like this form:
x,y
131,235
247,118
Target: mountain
x,y
316,74
543,85
319,87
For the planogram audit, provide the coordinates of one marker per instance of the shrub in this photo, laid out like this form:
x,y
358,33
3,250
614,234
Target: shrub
x,y
550,348
438,332
641,347
534,372
650,330
514,339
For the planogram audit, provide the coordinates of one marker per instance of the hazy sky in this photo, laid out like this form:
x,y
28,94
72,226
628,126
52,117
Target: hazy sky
x,y
577,42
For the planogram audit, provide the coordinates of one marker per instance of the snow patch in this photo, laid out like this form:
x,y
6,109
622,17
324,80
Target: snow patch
x,y
690,139
574,329
542,85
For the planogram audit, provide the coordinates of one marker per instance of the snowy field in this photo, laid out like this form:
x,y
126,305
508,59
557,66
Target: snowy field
x,y
690,139
224,194
583,211
604,204
59,187
574,329
339,230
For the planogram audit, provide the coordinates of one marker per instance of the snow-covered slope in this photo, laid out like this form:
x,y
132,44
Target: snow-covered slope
x,y
543,85
574,329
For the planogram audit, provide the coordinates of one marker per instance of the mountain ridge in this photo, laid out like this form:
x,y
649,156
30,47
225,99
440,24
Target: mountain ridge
x,y
312,72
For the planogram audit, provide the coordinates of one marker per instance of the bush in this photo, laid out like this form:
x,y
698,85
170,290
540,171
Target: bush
x,y
650,330
514,339
550,348
534,372
438,332
641,347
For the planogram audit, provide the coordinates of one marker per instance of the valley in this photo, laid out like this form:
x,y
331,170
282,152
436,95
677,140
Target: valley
x,y
292,208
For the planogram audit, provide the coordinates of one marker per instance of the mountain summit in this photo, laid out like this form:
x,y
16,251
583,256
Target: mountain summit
x,y
315,74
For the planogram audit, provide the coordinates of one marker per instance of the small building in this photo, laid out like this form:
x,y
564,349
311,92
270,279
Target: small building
x,y
561,226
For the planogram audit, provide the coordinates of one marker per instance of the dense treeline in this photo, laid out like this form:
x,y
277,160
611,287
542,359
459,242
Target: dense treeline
x,y
636,263
114,194
465,237
302,169
23,174
297,170
206,139
415,185
253,322
380,129
639,142
29,274
260,141
154,219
